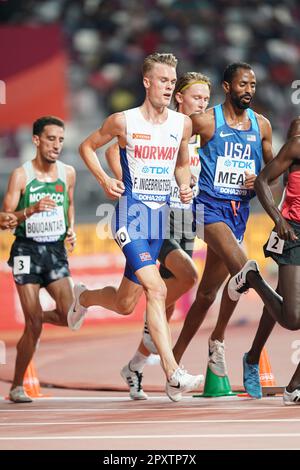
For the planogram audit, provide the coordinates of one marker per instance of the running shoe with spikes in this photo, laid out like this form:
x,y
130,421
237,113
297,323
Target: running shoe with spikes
x,y
147,340
291,398
18,395
133,378
216,357
76,311
238,283
181,382
251,378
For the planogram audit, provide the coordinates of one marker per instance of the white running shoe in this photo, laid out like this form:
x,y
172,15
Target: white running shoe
x,y
76,312
238,283
181,382
133,378
18,395
216,357
291,398
147,340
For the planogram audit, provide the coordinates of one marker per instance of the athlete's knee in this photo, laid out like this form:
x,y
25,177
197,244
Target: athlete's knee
x,y
156,290
206,296
125,306
292,321
188,275
62,308
34,325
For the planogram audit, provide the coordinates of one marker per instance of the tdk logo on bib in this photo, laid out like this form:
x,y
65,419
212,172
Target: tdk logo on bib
x,y
156,170
244,164
230,175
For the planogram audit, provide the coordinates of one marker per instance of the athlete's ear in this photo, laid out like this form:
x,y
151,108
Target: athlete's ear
x,y
35,139
179,97
226,86
146,82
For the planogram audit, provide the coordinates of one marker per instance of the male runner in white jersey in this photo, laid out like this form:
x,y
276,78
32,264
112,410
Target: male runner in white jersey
x,y
191,95
153,142
41,194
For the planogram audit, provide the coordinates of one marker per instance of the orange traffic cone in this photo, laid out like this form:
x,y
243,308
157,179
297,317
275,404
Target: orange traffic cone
x,y
266,375
31,382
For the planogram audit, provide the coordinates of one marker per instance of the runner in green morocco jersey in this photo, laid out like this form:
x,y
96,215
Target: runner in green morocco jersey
x,y
40,193
50,225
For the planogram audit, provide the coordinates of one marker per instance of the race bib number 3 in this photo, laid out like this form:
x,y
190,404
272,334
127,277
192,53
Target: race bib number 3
x,y
21,265
275,244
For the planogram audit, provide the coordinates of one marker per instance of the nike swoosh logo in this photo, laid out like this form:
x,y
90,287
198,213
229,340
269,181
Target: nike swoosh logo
x,y
33,190
175,386
225,135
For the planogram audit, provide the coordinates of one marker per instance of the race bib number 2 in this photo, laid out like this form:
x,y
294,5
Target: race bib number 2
x,y
275,244
21,265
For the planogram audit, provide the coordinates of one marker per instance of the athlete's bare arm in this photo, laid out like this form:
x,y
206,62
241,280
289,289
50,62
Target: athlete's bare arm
x,y
112,156
71,180
288,154
266,138
113,126
267,151
204,125
182,170
16,187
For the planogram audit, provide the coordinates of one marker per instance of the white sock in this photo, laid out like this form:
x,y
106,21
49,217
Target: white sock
x,y
138,362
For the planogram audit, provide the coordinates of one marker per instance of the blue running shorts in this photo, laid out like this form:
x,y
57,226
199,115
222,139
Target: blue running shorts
x,y
209,210
139,231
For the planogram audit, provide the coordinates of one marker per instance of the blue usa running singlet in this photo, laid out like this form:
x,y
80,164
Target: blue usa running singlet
x,y
226,157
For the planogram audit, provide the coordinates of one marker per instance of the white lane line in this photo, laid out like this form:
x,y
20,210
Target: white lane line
x,y
31,409
126,398
183,421
186,398
148,436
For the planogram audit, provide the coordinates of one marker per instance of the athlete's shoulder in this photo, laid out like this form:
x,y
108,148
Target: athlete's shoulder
x,y
17,179
117,120
70,173
263,122
19,173
204,123
69,168
207,117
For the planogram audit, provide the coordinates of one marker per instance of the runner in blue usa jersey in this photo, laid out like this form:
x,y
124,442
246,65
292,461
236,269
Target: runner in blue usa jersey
x,y
153,142
234,143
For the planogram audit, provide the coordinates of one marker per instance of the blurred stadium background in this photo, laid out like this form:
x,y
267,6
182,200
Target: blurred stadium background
x,y
81,60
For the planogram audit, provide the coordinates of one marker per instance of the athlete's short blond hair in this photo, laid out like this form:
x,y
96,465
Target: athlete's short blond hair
x,y
157,58
188,79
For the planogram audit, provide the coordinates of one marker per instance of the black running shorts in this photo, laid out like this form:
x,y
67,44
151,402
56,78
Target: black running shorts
x,y
38,263
291,249
179,236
